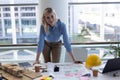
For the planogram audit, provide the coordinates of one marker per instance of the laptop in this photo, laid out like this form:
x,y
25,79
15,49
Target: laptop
x,y
110,65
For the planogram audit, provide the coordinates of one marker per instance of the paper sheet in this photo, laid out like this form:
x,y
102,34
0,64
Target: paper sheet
x,y
68,71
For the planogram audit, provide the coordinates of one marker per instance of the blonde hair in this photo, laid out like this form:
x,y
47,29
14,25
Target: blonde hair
x,y
47,10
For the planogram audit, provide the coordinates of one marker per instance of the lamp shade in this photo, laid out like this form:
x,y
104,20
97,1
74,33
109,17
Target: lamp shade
x,y
93,60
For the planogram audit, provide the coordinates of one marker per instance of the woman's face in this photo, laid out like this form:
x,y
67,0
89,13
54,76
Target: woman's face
x,y
50,18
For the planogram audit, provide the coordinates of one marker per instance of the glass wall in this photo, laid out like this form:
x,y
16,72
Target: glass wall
x,y
94,21
89,21
19,22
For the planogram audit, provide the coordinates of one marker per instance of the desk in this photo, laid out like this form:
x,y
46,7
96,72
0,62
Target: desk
x,y
67,71
105,76
59,76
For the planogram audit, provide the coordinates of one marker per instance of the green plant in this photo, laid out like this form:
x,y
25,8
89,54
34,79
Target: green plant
x,y
113,50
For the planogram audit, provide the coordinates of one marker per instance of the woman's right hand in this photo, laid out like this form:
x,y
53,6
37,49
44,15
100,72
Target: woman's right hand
x,y
36,62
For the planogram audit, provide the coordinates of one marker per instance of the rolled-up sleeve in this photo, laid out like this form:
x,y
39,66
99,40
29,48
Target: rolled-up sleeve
x,y
65,38
41,40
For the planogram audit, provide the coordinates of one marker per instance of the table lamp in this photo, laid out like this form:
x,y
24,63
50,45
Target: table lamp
x,y
92,60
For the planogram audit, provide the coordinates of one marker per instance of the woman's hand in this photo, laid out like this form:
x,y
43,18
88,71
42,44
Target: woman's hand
x,y
78,62
74,60
36,62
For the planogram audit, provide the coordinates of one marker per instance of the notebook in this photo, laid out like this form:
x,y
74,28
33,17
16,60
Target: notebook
x,y
110,65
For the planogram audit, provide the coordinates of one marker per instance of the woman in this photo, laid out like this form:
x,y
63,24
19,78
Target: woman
x,y
50,38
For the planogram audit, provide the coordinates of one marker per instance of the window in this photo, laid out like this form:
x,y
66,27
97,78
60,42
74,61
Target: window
x,y
24,25
27,8
18,29
16,14
17,22
16,8
7,22
6,14
94,21
27,14
28,22
6,9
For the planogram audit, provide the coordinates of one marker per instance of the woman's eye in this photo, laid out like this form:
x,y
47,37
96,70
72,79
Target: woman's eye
x,y
48,17
52,16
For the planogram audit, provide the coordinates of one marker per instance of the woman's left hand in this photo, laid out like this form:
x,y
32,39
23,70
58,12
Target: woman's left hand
x,y
78,62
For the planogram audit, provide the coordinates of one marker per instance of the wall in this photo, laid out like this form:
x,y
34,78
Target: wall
x,y
60,6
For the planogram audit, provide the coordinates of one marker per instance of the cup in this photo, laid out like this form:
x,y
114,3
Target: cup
x,y
37,67
95,73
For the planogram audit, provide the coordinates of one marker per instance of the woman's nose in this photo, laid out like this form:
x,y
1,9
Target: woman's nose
x,y
51,19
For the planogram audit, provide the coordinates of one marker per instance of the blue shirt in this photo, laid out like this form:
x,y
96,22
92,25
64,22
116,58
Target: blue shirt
x,y
54,35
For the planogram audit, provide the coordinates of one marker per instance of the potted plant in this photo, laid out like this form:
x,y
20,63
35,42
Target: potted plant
x,y
113,50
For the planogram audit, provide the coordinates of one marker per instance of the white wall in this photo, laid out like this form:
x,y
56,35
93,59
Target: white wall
x,y
60,6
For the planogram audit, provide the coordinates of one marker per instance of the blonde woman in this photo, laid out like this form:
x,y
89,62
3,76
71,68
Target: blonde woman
x,y
50,43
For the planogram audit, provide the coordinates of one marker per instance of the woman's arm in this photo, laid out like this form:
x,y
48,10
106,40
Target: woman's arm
x,y
40,44
37,59
67,43
73,58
